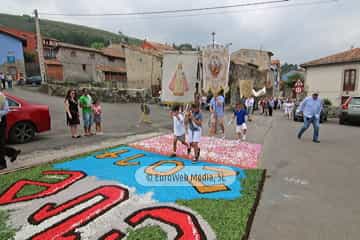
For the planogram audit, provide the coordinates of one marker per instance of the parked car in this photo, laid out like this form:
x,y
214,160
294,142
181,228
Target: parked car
x,y
25,120
34,80
350,111
298,116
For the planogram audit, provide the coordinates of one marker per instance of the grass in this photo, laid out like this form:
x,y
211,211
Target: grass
x,y
229,219
31,174
149,233
6,232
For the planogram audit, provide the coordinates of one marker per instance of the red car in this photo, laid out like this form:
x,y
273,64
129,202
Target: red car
x,y
25,119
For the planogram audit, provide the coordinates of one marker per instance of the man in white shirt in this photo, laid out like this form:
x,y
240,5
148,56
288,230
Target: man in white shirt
x,y
179,129
250,105
311,108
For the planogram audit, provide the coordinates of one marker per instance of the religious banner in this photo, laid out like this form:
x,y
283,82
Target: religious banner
x,y
216,63
246,87
179,77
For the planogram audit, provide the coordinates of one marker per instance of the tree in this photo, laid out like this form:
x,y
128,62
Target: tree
x,y
286,68
29,57
97,45
293,79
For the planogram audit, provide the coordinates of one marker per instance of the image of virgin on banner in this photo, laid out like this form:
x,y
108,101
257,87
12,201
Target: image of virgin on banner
x,y
179,77
179,84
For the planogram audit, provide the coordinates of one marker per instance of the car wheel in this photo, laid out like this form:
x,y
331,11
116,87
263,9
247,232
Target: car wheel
x,y
22,132
341,121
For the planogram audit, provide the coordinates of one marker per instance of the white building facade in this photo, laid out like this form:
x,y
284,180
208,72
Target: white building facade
x,y
336,77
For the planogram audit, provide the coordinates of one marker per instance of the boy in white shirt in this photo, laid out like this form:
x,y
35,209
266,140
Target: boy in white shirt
x,y
179,129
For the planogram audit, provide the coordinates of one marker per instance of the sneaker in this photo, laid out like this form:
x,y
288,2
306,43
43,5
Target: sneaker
x,y
14,157
316,141
173,155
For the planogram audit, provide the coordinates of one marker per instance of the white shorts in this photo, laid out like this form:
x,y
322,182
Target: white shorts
x,y
194,136
240,128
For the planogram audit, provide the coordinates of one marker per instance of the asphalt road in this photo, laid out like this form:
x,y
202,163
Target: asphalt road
x,y
119,120
311,191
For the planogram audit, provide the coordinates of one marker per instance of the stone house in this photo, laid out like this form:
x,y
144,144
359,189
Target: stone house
x,y
12,54
144,69
243,75
262,60
336,77
71,63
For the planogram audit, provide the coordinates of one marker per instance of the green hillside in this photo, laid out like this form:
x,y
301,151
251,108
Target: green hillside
x,y
66,32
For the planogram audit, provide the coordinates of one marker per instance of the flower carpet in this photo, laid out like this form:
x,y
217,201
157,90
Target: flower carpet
x,y
216,150
134,192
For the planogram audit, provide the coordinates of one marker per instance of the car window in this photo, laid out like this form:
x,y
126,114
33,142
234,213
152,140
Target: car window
x,y
355,101
12,103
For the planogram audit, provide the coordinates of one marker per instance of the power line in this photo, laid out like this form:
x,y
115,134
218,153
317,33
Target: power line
x,y
165,11
309,3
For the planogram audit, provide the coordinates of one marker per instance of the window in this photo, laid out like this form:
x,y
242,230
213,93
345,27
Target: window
x,y
12,103
349,80
84,67
73,54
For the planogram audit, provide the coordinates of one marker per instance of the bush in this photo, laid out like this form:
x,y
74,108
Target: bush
x,y
327,102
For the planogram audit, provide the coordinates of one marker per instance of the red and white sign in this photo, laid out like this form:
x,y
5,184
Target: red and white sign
x,y
299,87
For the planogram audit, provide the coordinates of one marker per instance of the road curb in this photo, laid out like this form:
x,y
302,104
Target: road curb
x,y
73,152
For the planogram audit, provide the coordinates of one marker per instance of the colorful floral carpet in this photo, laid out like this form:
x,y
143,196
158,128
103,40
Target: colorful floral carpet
x,y
129,193
216,150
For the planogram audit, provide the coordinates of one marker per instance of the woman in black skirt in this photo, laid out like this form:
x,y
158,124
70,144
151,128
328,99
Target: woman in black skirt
x,y
72,113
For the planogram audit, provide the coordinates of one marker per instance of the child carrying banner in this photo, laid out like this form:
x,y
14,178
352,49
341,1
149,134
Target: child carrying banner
x,y
179,128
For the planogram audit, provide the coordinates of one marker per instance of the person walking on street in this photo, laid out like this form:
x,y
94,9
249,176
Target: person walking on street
x,y
72,113
311,108
250,106
271,105
179,129
194,119
86,104
9,80
3,80
217,107
4,150
240,115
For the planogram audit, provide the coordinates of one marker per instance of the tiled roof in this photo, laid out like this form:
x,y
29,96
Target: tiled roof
x,y
13,33
111,69
114,51
72,46
275,62
156,46
352,55
145,51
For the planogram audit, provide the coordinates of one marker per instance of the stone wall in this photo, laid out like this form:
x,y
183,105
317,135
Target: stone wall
x,y
103,94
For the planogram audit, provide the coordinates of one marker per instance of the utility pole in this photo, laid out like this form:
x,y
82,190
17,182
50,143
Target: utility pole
x,y
213,38
40,49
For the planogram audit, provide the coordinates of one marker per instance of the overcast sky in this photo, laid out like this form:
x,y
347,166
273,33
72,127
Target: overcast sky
x,y
294,34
